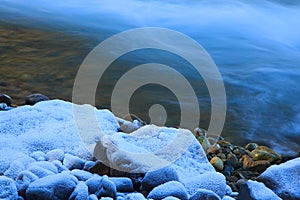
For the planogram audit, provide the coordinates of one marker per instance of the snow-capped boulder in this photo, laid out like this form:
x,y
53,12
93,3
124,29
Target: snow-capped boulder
x,y
283,179
249,189
151,148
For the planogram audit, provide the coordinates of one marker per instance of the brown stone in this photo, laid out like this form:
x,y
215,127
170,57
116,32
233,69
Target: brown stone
x,y
250,164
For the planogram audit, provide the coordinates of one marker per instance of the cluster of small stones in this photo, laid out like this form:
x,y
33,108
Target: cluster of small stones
x,y
236,162
6,102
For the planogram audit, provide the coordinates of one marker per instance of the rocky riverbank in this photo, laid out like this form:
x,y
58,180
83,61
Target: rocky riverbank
x,y
42,157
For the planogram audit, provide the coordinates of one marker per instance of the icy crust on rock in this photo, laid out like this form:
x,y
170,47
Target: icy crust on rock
x,y
152,147
283,179
45,126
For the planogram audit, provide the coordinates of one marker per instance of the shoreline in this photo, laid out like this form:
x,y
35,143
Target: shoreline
x,y
53,166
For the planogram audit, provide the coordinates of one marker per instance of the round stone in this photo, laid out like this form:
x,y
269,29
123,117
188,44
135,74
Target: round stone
x,y
251,146
35,98
217,163
4,98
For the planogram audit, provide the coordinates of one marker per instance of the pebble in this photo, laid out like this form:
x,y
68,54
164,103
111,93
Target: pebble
x,y
4,98
35,98
172,188
217,163
251,146
8,189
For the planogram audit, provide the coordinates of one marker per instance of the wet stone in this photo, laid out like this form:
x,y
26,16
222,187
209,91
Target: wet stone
x,y
4,98
35,98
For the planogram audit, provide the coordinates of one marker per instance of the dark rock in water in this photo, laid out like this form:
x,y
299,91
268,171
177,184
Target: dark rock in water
x,y
228,168
252,190
35,98
283,179
251,146
4,98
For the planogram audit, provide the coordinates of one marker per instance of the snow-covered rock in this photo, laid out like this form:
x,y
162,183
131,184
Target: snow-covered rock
x,y
55,154
151,148
81,192
158,177
81,175
93,183
172,188
38,156
73,162
213,181
204,194
46,126
58,186
135,196
46,165
8,189
123,184
283,179
106,188
14,169
249,189
60,167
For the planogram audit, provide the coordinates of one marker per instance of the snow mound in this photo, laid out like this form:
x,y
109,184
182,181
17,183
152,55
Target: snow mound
x,y
43,127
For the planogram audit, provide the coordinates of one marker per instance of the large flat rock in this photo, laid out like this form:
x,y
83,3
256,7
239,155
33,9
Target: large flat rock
x,y
151,148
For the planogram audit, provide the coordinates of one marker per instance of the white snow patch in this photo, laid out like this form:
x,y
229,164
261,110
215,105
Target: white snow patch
x,y
45,126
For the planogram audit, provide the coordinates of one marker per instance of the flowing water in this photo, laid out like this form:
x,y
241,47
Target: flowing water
x,y
255,44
